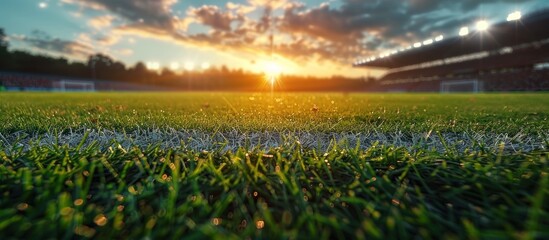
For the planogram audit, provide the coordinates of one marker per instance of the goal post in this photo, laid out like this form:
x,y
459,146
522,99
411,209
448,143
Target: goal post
x,y
74,86
470,85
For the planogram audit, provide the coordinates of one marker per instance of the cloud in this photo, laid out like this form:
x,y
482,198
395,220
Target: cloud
x,y
213,17
370,25
273,4
330,31
107,40
124,52
43,41
153,13
101,22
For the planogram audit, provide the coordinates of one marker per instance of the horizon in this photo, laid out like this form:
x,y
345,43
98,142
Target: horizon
x,y
310,38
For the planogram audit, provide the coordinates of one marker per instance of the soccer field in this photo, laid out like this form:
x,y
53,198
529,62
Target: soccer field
x,y
244,112
239,165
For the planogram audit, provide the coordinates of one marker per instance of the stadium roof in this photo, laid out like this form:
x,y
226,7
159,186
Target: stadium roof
x,y
530,28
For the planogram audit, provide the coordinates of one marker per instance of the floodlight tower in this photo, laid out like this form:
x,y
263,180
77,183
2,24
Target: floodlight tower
x,y
515,18
271,42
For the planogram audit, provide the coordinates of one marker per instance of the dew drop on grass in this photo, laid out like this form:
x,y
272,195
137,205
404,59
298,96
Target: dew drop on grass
x,y
216,221
84,230
260,224
66,211
78,202
150,224
100,220
132,190
22,206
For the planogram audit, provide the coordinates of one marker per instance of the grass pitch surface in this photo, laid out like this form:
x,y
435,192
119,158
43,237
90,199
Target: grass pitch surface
x,y
290,191
45,112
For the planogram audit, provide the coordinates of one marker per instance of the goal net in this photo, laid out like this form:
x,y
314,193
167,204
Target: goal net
x,y
75,86
460,86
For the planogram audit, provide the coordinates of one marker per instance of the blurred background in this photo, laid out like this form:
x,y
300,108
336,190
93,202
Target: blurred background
x,y
280,45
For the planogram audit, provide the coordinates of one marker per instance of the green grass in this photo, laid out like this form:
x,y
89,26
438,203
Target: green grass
x,y
495,113
287,192
379,192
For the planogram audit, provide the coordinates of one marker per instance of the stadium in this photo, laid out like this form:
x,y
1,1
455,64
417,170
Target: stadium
x,y
509,56
110,128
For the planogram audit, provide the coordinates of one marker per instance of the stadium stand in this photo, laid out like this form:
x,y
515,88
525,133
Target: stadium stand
x,y
31,82
509,56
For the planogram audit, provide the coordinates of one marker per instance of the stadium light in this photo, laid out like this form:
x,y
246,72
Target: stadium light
x,y
189,66
464,31
418,44
482,25
205,66
174,66
439,38
428,42
514,16
154,66
409,47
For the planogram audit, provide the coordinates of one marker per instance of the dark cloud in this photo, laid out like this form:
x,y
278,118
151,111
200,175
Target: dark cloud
x,y
155,13
468,5
264,23
374,24
343,30
44,41
212,16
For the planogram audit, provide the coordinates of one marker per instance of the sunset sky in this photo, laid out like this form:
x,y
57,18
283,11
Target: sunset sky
x,y
312,37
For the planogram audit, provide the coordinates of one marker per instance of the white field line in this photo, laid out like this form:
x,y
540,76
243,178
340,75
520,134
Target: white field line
x,y
232,140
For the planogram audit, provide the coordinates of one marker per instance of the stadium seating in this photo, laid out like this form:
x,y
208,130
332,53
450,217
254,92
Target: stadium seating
x,y
503,59
31,82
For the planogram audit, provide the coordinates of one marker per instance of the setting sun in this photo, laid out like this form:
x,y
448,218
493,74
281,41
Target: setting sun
x,y
272,71
274,119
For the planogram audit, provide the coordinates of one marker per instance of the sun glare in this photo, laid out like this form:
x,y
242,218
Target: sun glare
x,y
272,71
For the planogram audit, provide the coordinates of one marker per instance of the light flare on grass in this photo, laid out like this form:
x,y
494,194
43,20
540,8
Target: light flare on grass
x,y
100,220
260,224
78,202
